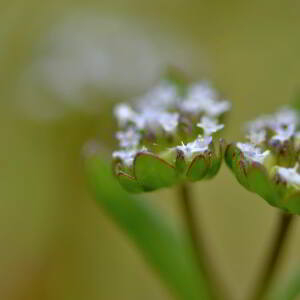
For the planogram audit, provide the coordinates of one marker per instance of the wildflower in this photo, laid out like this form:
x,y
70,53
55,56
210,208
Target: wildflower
x,y
268,163
162,141
210,125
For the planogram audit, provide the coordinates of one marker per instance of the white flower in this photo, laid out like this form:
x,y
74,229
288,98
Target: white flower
x,y
162,96
257,137
201,98
252,152
124,114
127,156
286,116
128,139
147,118
283,123
259,124
218,108
202,90
289,174
168,121
284,133
200,145
209,125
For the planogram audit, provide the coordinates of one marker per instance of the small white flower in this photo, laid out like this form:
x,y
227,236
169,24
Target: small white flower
x,y
257,137
252,152
283,123
168,121
201,98
218,108
128,139
155,119
286,116
198,97
209,125
259,124
124,114
162,96
200,145
289,174
284,133
127,156
202,90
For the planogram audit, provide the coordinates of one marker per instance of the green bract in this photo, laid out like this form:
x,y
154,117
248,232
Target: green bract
x,y
268,163
171,134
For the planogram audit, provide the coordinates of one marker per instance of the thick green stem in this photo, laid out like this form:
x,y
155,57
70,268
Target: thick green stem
x,y
198,244
285,221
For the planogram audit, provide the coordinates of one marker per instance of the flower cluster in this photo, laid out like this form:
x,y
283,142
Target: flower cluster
x,y
268,163
170,134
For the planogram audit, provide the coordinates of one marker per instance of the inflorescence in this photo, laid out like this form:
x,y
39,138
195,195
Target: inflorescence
x,y
169,134
268,163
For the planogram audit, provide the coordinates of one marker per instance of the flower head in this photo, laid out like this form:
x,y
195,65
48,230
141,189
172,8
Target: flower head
x,y
267,163
168,136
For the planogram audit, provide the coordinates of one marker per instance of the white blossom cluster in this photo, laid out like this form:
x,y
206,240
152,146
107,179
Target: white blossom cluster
x,y
282,125
152,112
289,175
210,125
274,131
199,145
201,98
253,152
160,111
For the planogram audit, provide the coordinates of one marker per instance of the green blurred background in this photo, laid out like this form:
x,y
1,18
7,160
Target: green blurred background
x,y
63,64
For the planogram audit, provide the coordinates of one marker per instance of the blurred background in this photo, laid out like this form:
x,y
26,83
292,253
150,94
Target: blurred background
x,y
63,65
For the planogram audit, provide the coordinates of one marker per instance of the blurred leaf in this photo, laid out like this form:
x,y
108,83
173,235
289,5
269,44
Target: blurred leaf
x,y
169,252
288,291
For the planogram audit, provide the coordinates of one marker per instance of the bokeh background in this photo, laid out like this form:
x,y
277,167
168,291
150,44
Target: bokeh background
x,y
63,64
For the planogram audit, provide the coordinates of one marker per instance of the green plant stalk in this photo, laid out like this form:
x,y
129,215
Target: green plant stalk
x,y
285,221
289,290
168,251
201,254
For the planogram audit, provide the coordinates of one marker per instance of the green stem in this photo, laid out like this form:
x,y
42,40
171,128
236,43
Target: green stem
x,y
198,244
285,221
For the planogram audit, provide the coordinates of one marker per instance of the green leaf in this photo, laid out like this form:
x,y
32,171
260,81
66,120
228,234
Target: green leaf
x,y
168,251
153,172
289,290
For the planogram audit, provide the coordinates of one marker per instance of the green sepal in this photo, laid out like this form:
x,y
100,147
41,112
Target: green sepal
x,y
229,155
216,159
236,162
198,168
129,183
260,183
152,172
292,203
180,163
